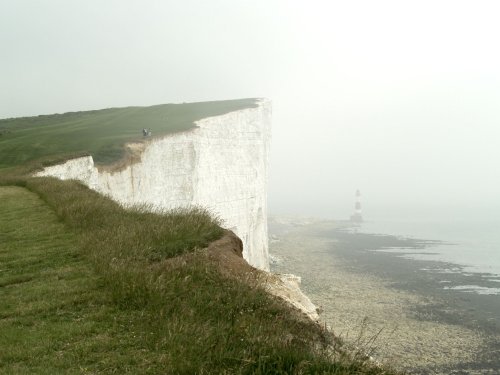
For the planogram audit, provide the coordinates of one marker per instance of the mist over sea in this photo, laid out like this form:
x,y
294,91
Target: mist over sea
x,y
468,244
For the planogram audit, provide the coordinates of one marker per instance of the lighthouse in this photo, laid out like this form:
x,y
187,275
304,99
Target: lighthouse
x,y
357,217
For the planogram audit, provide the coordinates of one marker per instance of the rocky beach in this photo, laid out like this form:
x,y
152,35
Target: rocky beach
x,y
388,306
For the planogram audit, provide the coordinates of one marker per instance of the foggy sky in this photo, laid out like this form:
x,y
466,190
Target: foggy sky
x,y
399,99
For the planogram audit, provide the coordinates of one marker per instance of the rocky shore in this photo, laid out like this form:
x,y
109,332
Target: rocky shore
x,y
371,300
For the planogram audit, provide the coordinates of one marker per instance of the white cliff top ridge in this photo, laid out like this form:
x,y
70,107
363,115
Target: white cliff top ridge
x,y
101,133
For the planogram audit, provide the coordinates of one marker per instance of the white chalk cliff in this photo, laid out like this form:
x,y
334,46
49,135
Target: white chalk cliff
x,y
221,164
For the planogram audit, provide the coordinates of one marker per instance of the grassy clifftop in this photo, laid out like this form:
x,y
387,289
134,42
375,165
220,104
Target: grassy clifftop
x,y
101,133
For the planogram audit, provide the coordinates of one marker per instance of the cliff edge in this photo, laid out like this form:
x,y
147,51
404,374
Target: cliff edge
x,y
221,164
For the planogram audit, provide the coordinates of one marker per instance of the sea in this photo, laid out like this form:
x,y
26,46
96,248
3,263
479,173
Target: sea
x,y
467,246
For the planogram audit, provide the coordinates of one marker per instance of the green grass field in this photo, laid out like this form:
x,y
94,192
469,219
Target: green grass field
x,y
100,133
58,315
53,310
88,287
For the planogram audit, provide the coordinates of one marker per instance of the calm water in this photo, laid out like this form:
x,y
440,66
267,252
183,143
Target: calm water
x,y
473,246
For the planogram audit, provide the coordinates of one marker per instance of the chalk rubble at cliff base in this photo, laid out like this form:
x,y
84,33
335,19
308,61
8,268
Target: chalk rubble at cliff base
x,y
287,287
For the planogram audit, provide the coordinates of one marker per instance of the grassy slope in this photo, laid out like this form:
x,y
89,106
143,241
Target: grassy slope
x,y
52,314
97,294
101,133
57,314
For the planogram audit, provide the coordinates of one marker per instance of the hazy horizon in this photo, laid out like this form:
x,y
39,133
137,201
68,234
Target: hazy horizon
x,y
398,100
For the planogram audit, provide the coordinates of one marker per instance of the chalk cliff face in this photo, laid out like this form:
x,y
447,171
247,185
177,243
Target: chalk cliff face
x,y
221,164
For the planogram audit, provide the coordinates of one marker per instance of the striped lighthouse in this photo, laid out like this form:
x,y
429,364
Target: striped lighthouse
x,y
357,217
